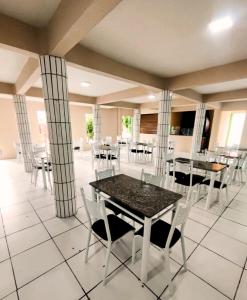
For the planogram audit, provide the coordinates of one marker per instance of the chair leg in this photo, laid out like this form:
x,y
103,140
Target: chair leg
x,y
134,249
49,179
183,252
168,270
36,177
88,242
108,252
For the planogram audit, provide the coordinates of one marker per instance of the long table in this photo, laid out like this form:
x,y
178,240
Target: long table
x,y
212,167
141,200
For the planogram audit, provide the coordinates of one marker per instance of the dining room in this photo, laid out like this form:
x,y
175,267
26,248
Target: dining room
x,y
123,150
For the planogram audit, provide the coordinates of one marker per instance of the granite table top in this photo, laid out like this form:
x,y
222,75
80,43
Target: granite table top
x,y
140,198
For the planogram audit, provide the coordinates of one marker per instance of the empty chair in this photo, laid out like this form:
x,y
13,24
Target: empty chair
x,y
223,184
152,179
164,235
239,168
110,228
149,152
184,177
105,174
114,155
38,165
97,156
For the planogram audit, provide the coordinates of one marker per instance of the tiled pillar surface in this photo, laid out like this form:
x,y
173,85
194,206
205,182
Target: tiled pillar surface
x,y
24,130
55,90
198,128
97,123
136,125
164,117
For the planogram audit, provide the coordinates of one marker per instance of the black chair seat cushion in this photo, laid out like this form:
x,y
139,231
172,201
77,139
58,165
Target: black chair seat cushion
x,y
117,226
102,156
159,234
148,152
217,184
177,174
134,150
46,168
196,179
111,157
140,151
77,148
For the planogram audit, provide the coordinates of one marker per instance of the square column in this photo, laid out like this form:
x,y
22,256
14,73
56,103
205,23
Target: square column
x,y
55,90
24,130
198,128
136,125
164,117
97,123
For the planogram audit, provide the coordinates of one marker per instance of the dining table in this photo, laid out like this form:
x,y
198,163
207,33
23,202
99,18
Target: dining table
x,y
213,168
142,201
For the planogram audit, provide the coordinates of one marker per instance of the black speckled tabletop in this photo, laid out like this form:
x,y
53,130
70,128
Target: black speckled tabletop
x,y
144,200
202,165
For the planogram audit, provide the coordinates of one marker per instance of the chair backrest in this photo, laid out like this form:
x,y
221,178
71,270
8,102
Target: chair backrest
x,y
96,211
152,179
105,173
229,173
180,218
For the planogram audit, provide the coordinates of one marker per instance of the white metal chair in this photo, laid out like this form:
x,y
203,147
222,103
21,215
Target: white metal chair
x,y
114,155
37,167
164,236
223,184
105,174
110,228
152,179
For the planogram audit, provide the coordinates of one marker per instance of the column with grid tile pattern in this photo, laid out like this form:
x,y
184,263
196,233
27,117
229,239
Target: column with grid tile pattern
x,y
55,90
136,125
198,128
97,123
164,117
24,130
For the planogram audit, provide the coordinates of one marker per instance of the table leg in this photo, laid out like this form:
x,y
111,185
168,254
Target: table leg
x,y
94,197
43,173
210,190
145,249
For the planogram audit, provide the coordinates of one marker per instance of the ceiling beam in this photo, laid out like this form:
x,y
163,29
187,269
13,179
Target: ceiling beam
x,y
85,58
7,88
191,95
123,104
38,93
18,36
223,73
237,106
69,25
131,93
30,73
235,95
73,20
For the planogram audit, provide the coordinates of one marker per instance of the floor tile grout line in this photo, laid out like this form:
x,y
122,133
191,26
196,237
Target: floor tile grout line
x,y
199,244
62,255
10,258
241,276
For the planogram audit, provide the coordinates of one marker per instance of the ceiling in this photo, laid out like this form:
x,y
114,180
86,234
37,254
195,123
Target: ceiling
x,y
100,85
33,12
11,65
172,36
222,87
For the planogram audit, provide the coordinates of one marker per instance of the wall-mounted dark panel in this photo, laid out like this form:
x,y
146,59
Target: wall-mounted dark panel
x,y
149,123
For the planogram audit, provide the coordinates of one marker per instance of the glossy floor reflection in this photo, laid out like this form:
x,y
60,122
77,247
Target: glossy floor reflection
x,y
42,257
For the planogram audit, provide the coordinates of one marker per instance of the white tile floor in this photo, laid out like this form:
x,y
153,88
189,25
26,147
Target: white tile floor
x,y
42,257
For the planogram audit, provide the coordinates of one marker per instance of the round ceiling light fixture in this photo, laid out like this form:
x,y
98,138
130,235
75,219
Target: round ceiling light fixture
x,y
221,24
86,83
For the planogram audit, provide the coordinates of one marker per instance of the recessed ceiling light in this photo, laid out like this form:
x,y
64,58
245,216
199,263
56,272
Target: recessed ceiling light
x,y
85,83
221,24
151,96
